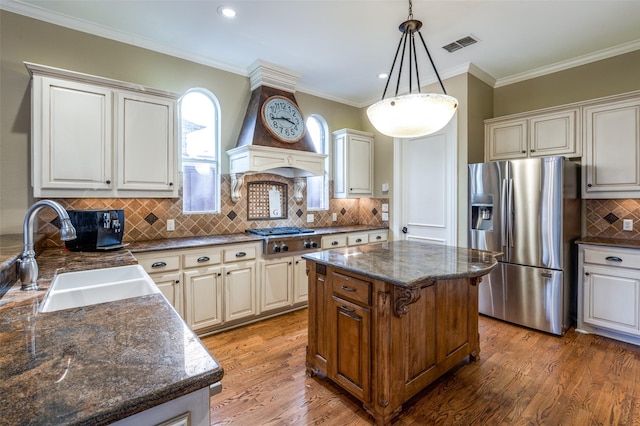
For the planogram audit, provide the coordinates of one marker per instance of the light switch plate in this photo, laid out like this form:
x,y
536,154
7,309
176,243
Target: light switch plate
x,y
627,225
171,225
334,216
385,207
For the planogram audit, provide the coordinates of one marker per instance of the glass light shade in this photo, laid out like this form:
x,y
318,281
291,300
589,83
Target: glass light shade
x,y
413,115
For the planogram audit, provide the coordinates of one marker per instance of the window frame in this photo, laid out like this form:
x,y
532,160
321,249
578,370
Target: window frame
x,y
326,149
217,141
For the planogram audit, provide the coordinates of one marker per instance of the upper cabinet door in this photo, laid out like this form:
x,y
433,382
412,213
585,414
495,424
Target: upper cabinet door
x,y
611,166
72,133
506,140
554,134
146,148
353,164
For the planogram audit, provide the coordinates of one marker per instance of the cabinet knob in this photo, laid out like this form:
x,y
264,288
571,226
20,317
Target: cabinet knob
x,y
524,152
359,240
533,150
177,281
586,273
334,243
589,185
108,182
378,237
170,183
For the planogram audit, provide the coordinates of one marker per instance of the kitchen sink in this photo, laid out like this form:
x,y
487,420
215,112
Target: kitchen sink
x,y
83,288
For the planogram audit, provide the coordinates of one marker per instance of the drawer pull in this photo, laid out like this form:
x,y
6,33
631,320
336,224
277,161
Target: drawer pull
x,y
241,254
344,308
345,288
378,237
334,243
158,264
203,259
613,259
359,240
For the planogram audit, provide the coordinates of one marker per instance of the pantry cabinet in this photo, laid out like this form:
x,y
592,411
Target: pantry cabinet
x,y
530,135
96,137
353,164
609,292
611,166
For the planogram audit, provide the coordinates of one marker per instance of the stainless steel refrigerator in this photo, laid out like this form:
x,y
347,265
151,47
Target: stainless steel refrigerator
x,y
530,211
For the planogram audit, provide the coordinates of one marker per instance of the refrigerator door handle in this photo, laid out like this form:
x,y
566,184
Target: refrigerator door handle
x,y
510,214
503,213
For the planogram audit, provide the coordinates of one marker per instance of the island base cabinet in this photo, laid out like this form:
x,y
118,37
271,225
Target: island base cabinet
x,y
384,343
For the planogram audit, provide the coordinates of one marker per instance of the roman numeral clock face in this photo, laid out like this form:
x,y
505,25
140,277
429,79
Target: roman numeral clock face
x,y
283,119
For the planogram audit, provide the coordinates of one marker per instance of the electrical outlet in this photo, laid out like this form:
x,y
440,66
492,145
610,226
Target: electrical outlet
x,y
171,225
385,217
310,218
385,207
334,216
627,225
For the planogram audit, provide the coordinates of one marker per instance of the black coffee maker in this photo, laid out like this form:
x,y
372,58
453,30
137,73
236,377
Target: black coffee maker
x,y
96,230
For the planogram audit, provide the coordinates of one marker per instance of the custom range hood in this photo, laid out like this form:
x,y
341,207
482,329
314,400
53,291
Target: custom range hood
x,y
273,138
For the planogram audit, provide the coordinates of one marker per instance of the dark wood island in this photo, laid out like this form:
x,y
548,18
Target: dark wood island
x,y
387,319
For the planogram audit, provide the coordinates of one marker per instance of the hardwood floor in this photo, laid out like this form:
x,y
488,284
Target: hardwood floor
x,y
523,377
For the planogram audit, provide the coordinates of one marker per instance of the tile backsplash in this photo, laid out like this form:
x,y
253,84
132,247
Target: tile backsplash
x,y
604,218
146,219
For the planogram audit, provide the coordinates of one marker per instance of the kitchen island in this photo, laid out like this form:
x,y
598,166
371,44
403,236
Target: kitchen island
x,y
387,319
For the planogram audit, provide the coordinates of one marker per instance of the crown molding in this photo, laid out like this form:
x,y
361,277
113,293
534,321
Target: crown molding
x,y
570,63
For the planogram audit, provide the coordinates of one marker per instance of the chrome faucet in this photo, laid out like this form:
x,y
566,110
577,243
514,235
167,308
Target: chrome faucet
x,y
28,264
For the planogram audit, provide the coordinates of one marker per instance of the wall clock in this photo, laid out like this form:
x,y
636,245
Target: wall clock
x,y
283,119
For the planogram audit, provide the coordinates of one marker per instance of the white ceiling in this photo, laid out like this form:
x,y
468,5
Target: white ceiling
x,y
339,46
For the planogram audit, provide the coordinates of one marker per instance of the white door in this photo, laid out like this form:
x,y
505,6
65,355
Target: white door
x,y
425,188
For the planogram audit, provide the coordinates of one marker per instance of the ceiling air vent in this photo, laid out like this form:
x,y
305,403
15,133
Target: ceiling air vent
x,y
459,44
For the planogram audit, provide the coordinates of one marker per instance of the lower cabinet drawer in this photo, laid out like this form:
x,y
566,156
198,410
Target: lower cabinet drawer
x,y
618,257
333,241
238,254
352,289
196,259
354,240
154,264
378,237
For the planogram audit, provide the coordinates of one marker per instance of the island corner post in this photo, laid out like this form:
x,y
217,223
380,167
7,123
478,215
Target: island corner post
x,y
383,342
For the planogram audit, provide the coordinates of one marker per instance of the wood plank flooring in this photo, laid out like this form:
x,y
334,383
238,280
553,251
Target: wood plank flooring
x,y
523,377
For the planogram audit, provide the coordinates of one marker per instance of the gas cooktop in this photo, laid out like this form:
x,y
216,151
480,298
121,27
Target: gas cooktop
x,y
285,230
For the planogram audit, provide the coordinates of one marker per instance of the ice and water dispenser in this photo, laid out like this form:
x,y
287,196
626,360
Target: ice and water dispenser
x,y
482,212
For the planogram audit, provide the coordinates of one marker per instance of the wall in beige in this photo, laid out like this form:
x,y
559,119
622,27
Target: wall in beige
x,y
611,76
25,39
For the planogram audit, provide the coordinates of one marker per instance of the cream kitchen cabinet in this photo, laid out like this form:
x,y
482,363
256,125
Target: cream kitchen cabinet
x,y
609,292
539,134
210,287
284,283
96,137
611,164
353,239
353,164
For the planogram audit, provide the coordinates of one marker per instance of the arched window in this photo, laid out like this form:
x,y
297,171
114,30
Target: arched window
x,y
200,134
318,186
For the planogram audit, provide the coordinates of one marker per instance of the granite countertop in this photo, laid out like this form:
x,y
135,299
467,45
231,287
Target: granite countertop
x,y
95,364
409,263
191,242
610,242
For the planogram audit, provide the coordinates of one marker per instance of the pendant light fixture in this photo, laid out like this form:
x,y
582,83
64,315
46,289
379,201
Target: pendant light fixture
x,y
413,114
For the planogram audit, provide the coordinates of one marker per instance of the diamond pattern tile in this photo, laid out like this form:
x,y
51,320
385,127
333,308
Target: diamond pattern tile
x,y
611,218
145,219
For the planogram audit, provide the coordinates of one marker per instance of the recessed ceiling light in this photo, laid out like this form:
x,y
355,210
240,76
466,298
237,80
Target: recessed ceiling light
x,y
383,75
227,12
